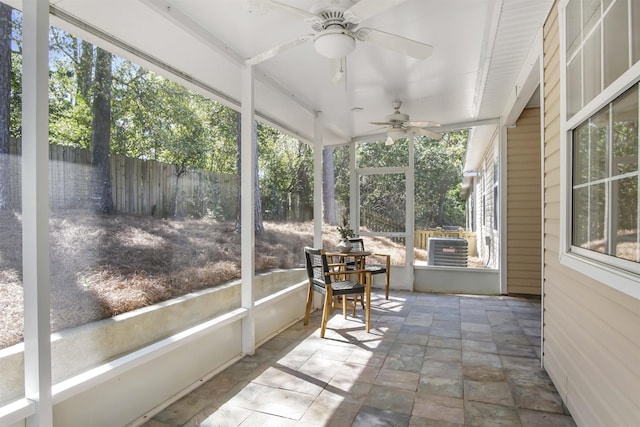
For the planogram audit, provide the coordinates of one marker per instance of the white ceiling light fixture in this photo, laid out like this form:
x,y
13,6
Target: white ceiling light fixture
x,y
393,134
336,25
334,43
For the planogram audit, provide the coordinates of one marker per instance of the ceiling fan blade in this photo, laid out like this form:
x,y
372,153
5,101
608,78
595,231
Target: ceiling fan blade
x,y
380,123
394,42
426,124
365,9
278,49
426,132
287,8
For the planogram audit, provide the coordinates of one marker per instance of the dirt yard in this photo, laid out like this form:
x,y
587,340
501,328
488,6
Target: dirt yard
x,y
106,265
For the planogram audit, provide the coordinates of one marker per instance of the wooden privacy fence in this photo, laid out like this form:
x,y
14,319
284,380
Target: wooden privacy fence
x,y
140,187
421,237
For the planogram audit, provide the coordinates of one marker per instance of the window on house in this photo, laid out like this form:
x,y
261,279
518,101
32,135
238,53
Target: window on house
x,y
605,180
602,48
495,194
484,200
471,205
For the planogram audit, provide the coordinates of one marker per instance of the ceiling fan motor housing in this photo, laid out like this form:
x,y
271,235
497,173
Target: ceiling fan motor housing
x,y
334,38
399,118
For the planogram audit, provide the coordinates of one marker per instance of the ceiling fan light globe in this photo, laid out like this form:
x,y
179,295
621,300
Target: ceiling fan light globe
x,y
334,44
396,133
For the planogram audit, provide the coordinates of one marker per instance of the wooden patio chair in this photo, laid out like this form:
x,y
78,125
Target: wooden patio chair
x,y
320,279
358,245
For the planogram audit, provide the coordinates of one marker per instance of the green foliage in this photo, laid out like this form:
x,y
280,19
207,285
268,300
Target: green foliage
x,y
154,118
285,170
341,176
438,177
15,113
438,174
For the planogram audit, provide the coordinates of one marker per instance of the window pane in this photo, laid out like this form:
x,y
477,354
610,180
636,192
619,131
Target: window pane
x,y
625,132
382,202
11,288
574,27
144,208
392,246
598,147
625,193
379,154
285,171
616,42
581,154
592,69
341,174
591,14
635,30
574,85
580,231
597,217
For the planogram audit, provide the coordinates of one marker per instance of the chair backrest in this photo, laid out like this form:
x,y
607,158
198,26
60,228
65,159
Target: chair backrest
x,y
357,243
317,266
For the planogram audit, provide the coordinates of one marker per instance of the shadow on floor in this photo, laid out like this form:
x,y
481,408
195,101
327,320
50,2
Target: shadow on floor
x,y
429,360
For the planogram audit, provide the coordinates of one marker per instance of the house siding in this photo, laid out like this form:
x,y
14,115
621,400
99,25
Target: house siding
x,y
484,223
591,334
524,205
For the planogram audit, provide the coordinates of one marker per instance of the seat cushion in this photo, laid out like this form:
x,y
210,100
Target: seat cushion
x,y
343,287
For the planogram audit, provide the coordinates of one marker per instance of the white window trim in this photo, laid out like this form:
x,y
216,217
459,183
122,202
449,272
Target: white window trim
x,y
598,267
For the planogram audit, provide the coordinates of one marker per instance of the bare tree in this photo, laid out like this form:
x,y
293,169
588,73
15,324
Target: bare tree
x,y
329,187
101,194
84,67
257,206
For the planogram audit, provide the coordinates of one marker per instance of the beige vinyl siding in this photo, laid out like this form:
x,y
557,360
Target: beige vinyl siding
x,y
484,226
591,332
524,205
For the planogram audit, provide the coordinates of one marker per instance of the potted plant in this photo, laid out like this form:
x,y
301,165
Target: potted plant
x,y
345,232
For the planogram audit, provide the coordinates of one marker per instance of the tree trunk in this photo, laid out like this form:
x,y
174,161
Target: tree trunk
x,y
84,69
101,197
329,187
257,206
5,104
180,170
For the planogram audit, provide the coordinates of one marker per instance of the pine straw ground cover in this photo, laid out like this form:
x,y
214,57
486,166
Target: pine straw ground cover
x,y
106,265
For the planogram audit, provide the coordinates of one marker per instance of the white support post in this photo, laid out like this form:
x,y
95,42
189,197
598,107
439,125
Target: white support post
x,y
35,210
247,215
318,165
354,190
502,208
410,212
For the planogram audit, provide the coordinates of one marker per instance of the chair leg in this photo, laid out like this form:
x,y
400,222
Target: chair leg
x,y
309,303
344,306
367,309
387,284
325,311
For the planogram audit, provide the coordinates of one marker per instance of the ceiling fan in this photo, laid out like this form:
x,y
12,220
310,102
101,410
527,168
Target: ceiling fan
x,y
398,124
336,30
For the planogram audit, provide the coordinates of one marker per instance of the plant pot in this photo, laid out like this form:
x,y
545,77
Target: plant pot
x,y
344,246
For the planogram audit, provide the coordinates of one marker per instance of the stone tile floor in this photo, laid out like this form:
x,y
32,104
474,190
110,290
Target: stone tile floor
x,y
429,360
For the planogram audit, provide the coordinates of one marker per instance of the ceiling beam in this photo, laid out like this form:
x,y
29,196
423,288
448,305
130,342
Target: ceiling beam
x,y
485,59
526,83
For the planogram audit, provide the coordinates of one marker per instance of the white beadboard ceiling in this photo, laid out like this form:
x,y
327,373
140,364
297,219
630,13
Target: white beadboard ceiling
x,y
479,49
